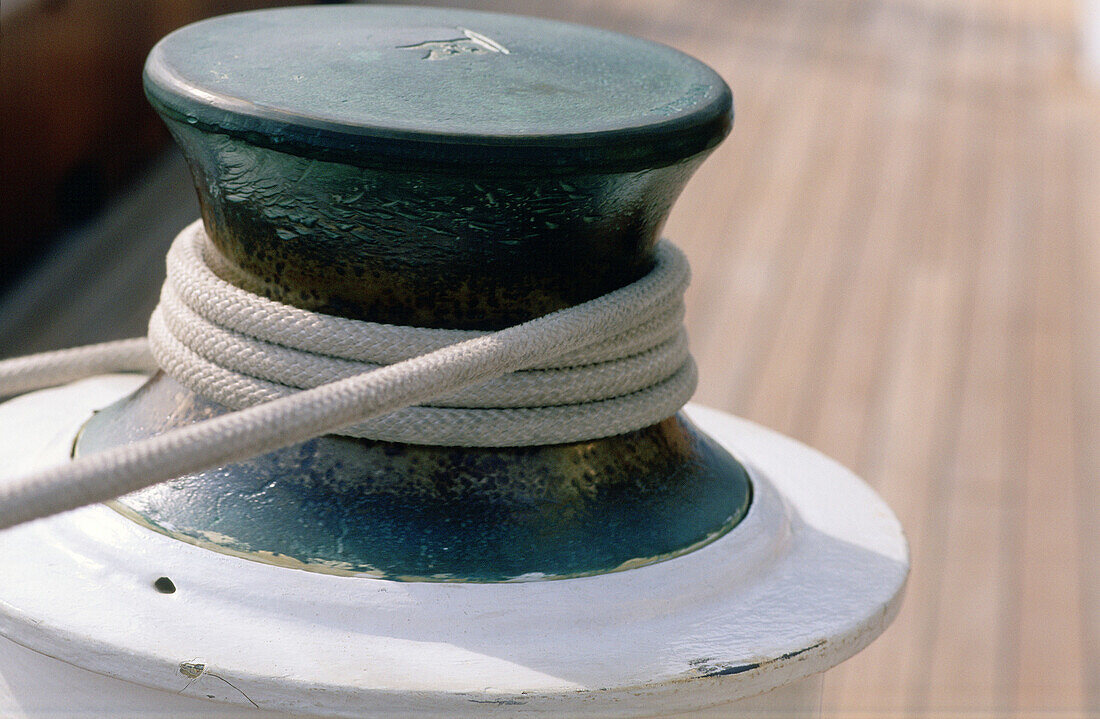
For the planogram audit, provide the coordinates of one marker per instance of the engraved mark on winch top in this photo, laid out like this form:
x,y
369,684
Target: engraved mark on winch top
x,y
471,43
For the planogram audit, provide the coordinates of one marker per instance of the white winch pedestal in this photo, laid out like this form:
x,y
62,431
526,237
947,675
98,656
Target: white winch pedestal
x,y
812,575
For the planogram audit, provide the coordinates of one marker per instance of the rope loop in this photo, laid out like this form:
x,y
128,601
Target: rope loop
x,y
240,349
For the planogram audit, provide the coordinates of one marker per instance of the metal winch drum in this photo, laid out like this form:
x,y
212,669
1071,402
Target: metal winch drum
x,y
454,170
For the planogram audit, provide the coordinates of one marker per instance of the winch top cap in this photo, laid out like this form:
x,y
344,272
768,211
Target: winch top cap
x,y
378,84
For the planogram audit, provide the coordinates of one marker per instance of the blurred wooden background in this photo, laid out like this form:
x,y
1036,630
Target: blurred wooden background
x,y
897,261
75,125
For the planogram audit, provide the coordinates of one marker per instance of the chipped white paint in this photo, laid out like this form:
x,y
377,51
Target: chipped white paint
x,y
811,576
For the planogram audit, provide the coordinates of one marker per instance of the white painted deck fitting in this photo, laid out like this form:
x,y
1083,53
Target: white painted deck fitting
x,y
812,575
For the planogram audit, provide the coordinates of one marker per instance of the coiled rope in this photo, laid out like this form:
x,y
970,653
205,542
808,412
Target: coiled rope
x,y
611,365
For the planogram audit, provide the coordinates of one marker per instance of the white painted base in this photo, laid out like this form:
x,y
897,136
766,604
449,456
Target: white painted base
x,y
812,574
34,686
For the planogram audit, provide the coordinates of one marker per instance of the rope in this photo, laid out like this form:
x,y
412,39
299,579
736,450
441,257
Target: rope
x,y
239,349
49,369
293,375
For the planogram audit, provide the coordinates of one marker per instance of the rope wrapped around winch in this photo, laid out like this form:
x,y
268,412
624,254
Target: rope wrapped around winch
x,y
240,349
611,365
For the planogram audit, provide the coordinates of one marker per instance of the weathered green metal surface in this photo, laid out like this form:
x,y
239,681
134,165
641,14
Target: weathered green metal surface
x,y
425,247
387,85
446,169
342,505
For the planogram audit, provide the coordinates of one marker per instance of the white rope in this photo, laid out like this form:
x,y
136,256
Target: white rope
x,y
238,349
49,369
364,378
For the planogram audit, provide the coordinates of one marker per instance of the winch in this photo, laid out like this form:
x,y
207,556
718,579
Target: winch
x,y
458,211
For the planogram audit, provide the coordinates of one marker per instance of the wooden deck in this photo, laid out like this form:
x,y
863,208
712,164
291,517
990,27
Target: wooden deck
x,y
897,261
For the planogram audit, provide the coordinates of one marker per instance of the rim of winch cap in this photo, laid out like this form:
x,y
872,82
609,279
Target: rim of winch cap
x,y
642,139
